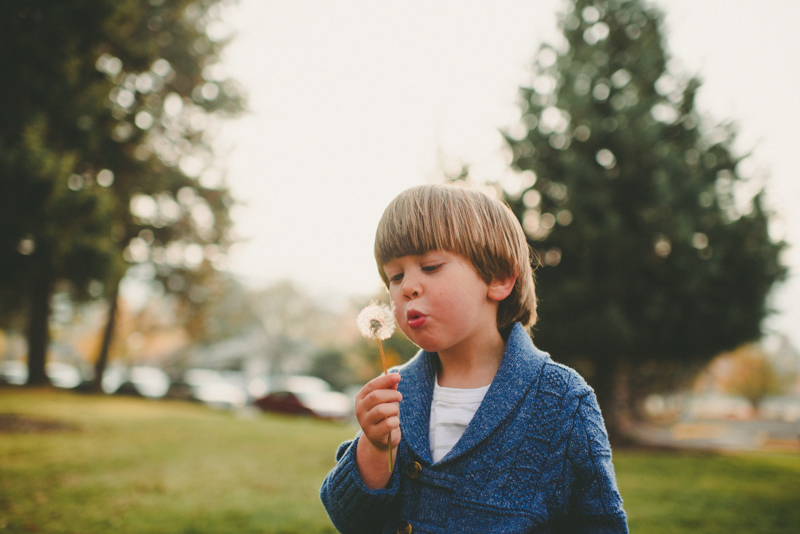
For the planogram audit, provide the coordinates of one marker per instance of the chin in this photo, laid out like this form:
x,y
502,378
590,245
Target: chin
x,y
415,339
427,344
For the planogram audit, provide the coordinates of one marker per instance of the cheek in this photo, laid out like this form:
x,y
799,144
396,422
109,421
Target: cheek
x,y
399,313
449,298
402,324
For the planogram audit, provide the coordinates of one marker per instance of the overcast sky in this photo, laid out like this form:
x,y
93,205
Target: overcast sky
x,y
351,102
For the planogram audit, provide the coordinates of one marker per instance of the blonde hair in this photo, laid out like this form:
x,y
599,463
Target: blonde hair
x,y
469,223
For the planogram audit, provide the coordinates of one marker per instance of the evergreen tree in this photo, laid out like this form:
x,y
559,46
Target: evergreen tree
x,y
55,222
651,258
120,95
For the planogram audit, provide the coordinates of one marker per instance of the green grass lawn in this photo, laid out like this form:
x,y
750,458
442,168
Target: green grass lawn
x,y
710,493
130,465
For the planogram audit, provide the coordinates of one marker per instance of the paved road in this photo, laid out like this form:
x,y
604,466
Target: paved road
x,y
723,435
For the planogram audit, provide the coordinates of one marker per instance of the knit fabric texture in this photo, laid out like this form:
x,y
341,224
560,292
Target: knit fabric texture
x,y
535,458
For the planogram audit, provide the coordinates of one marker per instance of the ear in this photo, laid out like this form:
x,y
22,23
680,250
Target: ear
x,y
501,287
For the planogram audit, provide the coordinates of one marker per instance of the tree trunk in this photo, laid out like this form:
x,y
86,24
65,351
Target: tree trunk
x,y
108,335
39,327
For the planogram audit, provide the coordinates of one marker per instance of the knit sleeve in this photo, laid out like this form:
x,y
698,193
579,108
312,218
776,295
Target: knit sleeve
x,y
352,506
595,504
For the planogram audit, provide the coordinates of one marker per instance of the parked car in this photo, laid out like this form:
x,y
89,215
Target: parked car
x,y
61,375
150,382
113,378
320,404
260,386
14,372
216,388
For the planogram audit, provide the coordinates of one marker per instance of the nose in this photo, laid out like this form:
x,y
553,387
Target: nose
x,y
411,286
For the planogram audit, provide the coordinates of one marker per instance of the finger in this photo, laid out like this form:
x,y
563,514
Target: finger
x,y
380,412
396,436
380,396
370,414
379,433
383,381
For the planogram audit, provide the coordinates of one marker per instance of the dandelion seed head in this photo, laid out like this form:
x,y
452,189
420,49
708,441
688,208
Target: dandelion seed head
x,y
376,321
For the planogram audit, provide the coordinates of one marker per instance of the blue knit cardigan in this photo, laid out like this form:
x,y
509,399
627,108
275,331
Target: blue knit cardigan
x,y
535,458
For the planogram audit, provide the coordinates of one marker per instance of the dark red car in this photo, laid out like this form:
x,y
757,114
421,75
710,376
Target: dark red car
x,y
322,404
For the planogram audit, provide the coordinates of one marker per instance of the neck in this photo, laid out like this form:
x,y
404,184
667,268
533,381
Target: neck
x,y
471,367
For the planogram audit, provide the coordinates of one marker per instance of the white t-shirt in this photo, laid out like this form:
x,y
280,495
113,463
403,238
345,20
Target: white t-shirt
x,y
451,411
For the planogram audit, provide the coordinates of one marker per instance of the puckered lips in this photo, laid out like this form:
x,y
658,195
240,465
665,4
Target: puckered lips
x,y
415,319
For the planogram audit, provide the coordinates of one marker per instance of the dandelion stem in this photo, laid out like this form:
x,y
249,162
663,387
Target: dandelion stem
x,y
386,372
383,358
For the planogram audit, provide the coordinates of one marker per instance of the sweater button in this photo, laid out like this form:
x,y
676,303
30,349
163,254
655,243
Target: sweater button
x,y
404,528
413,470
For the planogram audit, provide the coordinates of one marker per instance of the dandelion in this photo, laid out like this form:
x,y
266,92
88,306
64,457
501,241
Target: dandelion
x,y
376,321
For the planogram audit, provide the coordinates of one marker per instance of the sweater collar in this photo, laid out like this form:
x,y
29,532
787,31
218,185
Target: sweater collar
x,y
516,374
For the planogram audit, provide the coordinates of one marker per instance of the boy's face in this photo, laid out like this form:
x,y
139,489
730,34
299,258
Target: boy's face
x,y
441,303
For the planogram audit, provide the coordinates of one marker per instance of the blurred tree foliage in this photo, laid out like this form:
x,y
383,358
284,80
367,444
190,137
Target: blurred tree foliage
x,y
225,316
104,157
746,371
654,255
331,366
293,323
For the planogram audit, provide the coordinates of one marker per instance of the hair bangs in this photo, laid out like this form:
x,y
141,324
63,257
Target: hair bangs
x,y
412,225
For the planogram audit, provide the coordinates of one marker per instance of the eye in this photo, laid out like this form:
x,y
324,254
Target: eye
x,y
431,268
396,278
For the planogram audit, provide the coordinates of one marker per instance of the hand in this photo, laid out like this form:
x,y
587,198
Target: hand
x,y
378,413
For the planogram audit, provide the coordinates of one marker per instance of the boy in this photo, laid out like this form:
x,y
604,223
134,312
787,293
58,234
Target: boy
x,y
495,436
